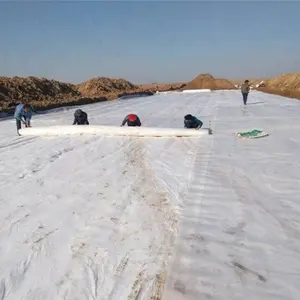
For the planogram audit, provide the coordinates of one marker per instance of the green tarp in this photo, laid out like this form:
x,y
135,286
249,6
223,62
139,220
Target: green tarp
x,y
252,134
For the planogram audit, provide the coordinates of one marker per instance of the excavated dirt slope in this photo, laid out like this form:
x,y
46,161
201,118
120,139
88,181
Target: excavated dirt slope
x,y
287,85
34,90
43,93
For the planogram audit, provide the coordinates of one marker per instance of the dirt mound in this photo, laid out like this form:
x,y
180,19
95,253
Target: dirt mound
x,y
162,87
101,86
115,88
287,85
289,81
223,84
43,93
14,90
207,81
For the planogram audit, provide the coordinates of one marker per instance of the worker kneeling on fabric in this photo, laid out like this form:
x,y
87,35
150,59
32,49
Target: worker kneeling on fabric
x,y
192,122
80,118
132,120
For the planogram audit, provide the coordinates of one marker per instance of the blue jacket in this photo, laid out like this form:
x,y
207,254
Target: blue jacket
x,y
20,113
194,123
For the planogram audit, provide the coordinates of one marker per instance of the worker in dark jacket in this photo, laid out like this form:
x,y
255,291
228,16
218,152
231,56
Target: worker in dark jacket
x,y
80,118
132,120
192,122
245,88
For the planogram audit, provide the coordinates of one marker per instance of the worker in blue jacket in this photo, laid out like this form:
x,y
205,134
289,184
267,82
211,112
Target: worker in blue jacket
x,y
192,122
23,113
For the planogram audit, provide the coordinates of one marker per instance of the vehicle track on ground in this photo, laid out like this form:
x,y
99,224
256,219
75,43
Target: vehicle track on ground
x,y
21,141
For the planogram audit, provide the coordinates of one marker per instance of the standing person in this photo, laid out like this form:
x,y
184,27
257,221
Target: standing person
x,y
23,113
192,122
245,88
80,118
132,120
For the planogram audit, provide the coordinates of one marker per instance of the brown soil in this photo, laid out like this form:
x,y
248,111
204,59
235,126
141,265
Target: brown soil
x,y
147,89
207,81
43,93
101,86
285,82
115,88
33,89
287,85
162,87
284,93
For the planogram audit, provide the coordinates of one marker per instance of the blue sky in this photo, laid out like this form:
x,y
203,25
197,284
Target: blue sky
x,y
148,41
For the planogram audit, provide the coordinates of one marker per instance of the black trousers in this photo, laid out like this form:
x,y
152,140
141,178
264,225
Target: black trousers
x,y
18,122
245,97
135,123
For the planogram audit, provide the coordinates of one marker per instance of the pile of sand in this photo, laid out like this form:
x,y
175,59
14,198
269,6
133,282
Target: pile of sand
x,y
207,81
101,86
